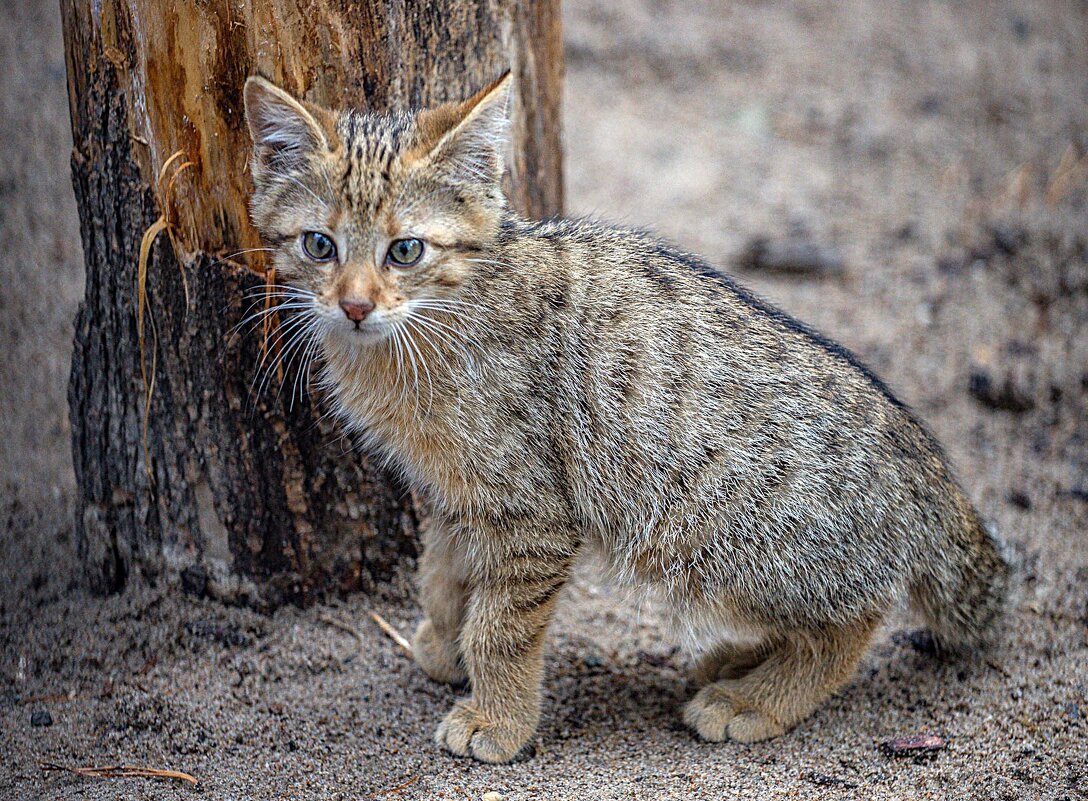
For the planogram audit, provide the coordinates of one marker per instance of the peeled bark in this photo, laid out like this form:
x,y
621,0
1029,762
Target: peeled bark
x,y
238,494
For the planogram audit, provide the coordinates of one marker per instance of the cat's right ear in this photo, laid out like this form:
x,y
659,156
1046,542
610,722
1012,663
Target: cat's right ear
x,y
285,133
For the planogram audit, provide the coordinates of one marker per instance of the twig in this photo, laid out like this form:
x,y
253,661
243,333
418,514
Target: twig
x,y
399,787
119,771
49,699
345,627
395,635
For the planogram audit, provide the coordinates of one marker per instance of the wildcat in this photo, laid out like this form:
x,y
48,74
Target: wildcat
x,y
552,387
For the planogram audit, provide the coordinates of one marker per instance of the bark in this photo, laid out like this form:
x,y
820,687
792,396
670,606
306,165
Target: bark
x,y
244,495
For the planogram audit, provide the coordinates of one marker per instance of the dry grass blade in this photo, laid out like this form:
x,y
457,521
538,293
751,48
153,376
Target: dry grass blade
x,y
345,627
397,789
1071,172
1018,185
120,771
149,237
52,698
271,324
394,635
150,234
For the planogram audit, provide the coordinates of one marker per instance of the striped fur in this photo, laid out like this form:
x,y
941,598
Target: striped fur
x,y
553,387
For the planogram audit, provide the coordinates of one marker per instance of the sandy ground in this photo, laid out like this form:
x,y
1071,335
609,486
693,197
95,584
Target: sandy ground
x,y
927,143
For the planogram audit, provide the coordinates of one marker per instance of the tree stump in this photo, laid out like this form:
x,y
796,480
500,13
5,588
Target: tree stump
x,y
185,473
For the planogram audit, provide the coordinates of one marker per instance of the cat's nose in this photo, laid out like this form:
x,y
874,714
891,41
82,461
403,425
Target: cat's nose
x,y
356,310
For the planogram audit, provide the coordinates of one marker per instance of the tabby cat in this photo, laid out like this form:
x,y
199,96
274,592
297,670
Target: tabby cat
x,y
563,386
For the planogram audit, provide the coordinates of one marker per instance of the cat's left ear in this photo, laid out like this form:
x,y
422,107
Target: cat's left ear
x,y
470,137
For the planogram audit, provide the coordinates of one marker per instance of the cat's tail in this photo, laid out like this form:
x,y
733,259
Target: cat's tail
x,y
963,591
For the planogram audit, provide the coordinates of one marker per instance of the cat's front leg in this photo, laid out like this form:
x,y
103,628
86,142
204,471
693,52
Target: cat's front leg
x,y
443,593
502,644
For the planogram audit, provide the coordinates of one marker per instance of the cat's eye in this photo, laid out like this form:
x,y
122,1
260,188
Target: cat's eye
x,y
405,252
318,246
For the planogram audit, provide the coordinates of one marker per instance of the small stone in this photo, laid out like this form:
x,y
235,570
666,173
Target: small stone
x,y
1021,28
918,747
41,717
221,632
1020,499
1007,395
1007,239
930,104
919,640
194,581
824,780
1076,493
906,232
796,256
491,795
592,661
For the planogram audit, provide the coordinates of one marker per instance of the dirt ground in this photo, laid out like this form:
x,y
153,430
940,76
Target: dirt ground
x,y
935,150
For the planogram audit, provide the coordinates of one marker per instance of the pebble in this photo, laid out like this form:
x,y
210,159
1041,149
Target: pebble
x,y
1008,395
792,256
918,746
41,717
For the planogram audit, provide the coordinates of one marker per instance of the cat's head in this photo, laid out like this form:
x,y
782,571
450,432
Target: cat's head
x,y
371,216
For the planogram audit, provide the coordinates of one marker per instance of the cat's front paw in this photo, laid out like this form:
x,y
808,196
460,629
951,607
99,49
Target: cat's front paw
x,y
467,732
438,656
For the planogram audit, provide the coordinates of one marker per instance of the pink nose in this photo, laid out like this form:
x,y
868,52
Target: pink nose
x,y
356,310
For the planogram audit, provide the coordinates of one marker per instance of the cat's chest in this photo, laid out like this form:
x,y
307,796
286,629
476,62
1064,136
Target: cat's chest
x,y
445,437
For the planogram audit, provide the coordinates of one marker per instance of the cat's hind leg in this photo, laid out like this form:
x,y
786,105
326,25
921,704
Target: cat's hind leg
x,y
798,672
729,660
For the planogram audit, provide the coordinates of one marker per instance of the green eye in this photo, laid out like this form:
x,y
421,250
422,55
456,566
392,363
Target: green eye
x,y
318,246
405,252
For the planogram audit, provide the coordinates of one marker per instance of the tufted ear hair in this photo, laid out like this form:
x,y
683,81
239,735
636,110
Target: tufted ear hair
x,y
470,137
284,131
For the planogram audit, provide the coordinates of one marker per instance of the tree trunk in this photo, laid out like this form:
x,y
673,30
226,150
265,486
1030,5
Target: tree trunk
x,y
242,494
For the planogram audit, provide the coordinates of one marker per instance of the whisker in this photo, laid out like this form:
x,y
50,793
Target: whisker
x,y
230,256
277,290
401,379
303,187
287,331
258,316
299,339
308,360
298,386
442,336
415,370
492,261
463,334
445,304
422,363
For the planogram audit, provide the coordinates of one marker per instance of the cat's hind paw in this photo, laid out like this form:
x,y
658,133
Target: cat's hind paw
x,y
438,656
717,714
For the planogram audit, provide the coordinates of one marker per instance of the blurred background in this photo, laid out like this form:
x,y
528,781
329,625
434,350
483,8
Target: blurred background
x,y
908,176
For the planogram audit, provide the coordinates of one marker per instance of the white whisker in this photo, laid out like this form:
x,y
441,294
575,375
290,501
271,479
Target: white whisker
x,y
325,203
492,261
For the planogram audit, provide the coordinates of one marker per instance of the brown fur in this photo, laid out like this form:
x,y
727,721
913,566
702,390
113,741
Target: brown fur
x,y
563,386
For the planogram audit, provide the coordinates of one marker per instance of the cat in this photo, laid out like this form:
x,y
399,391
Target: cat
x,y
560,386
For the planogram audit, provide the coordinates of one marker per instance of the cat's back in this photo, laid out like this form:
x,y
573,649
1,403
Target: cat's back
x,y
614,288
661,373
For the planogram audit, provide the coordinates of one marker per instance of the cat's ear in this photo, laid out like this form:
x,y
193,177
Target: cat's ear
x,y
470,138
284,131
